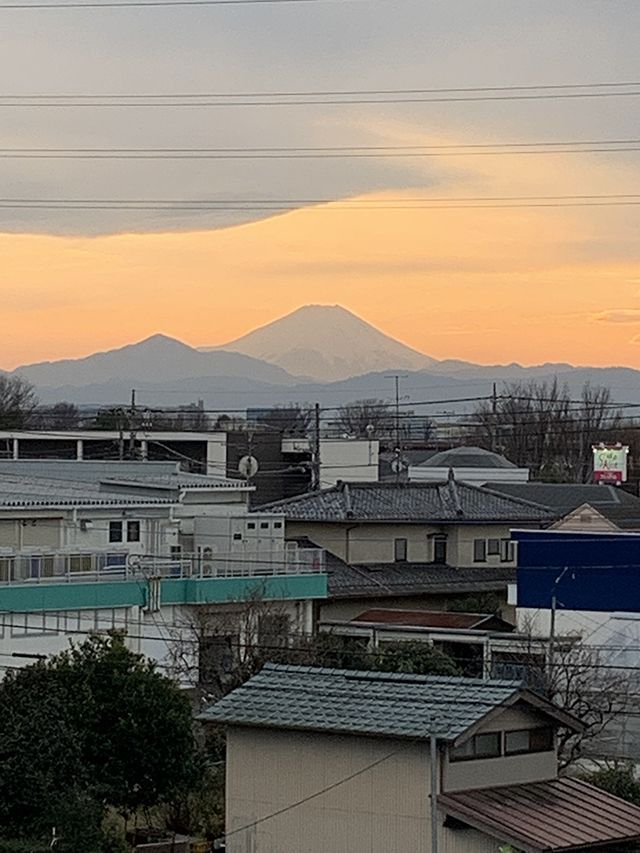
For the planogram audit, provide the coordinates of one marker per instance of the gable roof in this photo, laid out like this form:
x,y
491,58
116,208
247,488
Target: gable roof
x,y
557,815
613,502
368,703
428,502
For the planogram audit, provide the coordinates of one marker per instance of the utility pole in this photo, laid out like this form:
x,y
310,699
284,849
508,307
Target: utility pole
x,y
552,625
398,442
494,412
132,426
315,469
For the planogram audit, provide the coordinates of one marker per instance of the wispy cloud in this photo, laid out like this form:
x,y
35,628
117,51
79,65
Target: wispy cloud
x,y
619,315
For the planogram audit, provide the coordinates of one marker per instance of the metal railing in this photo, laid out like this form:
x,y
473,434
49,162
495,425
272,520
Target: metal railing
x,y
90,567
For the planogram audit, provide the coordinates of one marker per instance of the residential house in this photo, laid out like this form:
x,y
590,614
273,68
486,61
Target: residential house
x,y
369,762
428,541
580,506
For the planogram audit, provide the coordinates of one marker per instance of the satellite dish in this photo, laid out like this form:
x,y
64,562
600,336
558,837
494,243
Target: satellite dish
x,y
399,465
248,466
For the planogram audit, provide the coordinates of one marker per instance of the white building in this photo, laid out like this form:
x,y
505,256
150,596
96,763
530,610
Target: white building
x,y
139,551
469,465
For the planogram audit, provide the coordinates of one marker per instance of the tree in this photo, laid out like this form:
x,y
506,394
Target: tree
x,y
576,677
60,416
617,778
93,728
18,403
537,425
294,421
366,418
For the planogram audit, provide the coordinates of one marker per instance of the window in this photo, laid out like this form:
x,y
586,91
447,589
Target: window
x,y
439,549
400,550
133,531
251,525
479,746
493,547
277,525
480,550
507,550
528,740
115,531
264,525
237,537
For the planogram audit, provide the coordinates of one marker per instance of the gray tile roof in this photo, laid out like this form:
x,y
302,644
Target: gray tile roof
x,y
619,506
384,579
361,702
440,503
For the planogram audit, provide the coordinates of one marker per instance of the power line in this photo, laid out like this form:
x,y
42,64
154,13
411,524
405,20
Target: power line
x,y
324,205
92,4
335,96
326,152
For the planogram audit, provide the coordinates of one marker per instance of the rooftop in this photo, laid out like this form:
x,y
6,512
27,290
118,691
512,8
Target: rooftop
x,y
437,502
365,703
466,457
615,504
20,491
432,619
558,815
166,475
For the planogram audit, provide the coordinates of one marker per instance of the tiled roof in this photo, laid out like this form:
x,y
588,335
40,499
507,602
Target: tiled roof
x,y
450,501
547,817
612,502
361,702
383,579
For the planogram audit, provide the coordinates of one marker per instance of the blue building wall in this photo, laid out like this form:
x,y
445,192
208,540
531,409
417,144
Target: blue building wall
x,y
602,570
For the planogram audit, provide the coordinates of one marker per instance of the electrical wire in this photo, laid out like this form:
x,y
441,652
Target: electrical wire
x,y
331,152
309,97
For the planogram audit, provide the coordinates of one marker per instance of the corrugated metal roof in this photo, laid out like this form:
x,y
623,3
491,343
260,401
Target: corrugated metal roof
x,y
361,702
558,815
36,492
424,618
451,501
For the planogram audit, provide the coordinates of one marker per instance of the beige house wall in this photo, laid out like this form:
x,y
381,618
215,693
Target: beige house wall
x,y
374,543
382,809
267,771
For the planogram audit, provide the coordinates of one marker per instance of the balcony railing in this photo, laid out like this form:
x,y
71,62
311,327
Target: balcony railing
x,y
52,567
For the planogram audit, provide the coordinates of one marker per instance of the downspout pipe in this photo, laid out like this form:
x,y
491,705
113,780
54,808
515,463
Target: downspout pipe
x,y
433,761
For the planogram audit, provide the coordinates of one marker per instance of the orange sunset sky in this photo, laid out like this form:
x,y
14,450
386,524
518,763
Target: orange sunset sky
x,y
528,285
532,284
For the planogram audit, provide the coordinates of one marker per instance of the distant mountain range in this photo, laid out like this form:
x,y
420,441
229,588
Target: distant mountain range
x,y
317,353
